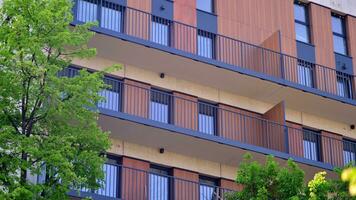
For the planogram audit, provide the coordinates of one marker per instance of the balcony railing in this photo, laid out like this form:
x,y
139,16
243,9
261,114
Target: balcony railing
x,y
118,20
134,184
219,121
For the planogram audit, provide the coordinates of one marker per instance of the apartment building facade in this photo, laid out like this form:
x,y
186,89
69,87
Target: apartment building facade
x,y
206,81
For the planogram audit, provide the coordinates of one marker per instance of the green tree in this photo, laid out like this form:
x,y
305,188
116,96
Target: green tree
x,y
47,123
268,181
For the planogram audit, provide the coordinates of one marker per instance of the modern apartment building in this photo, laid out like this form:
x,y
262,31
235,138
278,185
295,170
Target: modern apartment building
x,y
206,81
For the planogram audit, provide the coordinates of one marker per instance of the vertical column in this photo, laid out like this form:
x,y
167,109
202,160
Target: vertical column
x,y
137,22
134,182
136,98
185,111
275,136
332,148
322,38
186,185
184,37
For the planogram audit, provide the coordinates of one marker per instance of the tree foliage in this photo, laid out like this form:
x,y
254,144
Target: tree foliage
x,y
46,121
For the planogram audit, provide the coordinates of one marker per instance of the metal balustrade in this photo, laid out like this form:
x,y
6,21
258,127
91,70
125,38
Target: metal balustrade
x,y
128,183
222,121
116,19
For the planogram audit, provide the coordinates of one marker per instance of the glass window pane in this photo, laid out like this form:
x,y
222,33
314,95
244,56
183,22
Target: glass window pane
x,y
302,32
87,11
310,145
159,112
348,157
111,18
344,86
205,46
111,101
337,25
158,187
300,13
340,45
206,192
109,187
305,75
206,124
205,5
160,33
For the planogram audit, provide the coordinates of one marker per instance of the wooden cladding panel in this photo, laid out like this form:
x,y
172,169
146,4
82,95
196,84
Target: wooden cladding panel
x,y
144,5
138,24
230,185
185,111
185,12
351,38
274,137
135,182
239,125
295,139
136,98
332,148
186,190
254,21
321,34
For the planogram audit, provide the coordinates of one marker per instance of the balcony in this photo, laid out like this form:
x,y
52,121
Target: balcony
x,y
218,50
122,182
175,120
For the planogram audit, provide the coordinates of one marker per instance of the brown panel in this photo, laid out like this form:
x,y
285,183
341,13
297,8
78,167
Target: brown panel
x,y
185,190
240,125
137,24
274,137
321,34
332,148
184,37
230,185
295,139
134,182
136,98
351,41
144,5
271,61
185,111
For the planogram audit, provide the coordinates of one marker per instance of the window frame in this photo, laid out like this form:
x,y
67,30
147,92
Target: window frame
x,y
306,23
316,136
351,148
120,91
206,181
116,7
346,82
161,21
214,114
311,67
343,36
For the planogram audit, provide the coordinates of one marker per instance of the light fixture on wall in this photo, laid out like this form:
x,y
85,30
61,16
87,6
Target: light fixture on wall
x,y
161,150
162,75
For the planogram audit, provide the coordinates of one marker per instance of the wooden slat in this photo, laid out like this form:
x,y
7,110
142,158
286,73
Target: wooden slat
x,y
136,98
185,190
295,139
185,111
332,148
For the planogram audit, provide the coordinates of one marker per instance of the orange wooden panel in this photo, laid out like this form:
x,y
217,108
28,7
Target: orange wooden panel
x,y
136,98
321,35
231,185
134,182
239,125
184,38
351,38
186,185
137,24
185,111
274,137
144,5
332,148
185,12
295,139
325,79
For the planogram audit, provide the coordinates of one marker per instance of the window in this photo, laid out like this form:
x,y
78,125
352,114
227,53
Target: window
x,y
87,10
349,152
339,35
311,145
344,85
207,118
205,44
110,184
160,31
301,22
205,5
112,99
160,106
305,73
207,188
111,16
159,183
